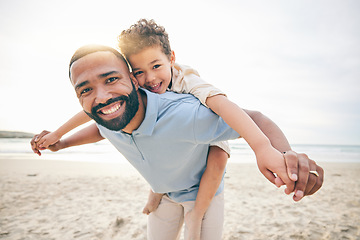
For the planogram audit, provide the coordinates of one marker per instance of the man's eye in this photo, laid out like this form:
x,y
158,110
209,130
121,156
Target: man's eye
x,y
84,91
113,79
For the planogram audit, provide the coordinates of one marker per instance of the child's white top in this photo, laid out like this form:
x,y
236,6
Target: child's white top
x,y
187,80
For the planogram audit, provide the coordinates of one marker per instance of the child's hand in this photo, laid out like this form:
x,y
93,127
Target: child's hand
x,y
154,200
271,162
49,139
34,142
37,147
193,223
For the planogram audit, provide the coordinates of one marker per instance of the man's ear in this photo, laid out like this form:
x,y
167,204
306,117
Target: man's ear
x,y
135,81
172,58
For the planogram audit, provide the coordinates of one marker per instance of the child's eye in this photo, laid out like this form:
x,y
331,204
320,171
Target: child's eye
x,y
138,73
156,66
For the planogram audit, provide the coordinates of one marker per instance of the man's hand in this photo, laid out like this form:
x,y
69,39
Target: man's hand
x,y
34,142
37,147
292,170
301,165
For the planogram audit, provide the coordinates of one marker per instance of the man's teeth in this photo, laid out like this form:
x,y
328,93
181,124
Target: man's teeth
x,y
111,110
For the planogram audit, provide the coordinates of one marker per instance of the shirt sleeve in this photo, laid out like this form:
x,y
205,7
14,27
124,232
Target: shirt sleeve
x,y
187,80
210,128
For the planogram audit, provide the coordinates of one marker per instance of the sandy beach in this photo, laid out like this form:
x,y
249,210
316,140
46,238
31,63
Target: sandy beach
x,y
77,200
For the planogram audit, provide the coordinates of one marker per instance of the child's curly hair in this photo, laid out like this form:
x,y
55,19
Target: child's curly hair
x,y
141,35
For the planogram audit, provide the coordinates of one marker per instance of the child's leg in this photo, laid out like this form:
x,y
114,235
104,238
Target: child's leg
x,y
153,202
210,181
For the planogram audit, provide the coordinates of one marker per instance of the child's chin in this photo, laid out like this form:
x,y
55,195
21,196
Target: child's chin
x,y
158,91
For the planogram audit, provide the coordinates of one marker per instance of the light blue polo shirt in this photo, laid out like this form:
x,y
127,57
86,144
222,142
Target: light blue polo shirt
x,y
170,147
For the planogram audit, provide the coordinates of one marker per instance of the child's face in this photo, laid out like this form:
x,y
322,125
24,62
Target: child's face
x,y
152,68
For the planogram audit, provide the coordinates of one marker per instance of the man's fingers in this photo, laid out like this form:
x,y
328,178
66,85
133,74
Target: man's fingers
x,y
312,180
308,183
34,142
303,178
318,181
291,161
34,146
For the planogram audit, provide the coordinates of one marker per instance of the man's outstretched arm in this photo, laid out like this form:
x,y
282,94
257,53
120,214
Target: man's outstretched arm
x,y
86,135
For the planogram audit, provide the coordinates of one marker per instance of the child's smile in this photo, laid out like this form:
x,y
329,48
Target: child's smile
x,y
155,88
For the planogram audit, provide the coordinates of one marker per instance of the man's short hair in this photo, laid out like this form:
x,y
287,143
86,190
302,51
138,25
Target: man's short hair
x,y
88,49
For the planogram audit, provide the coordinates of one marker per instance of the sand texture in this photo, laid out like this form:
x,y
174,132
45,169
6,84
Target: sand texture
x,y
72,200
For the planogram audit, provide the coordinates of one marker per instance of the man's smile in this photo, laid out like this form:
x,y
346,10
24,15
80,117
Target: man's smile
x,y
111,110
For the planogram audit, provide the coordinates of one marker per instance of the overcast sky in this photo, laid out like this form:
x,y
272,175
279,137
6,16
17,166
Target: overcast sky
x,y
298,62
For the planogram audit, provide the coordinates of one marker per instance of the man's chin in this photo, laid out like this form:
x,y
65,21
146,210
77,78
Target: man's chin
x,y
112,124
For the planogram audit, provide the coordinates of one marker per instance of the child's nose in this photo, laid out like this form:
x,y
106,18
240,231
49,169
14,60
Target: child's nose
x,y
150,77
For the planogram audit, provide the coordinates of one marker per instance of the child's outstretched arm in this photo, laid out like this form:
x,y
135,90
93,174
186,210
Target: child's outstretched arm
x,y
307,184
87,135
51,138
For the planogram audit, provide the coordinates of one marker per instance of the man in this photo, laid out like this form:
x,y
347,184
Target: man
x,y
165,137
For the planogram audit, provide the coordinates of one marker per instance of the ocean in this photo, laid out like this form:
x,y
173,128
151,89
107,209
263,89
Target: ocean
x,y
19,148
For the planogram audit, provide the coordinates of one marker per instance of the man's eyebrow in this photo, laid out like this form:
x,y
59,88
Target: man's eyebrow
x,y
81,85
107,74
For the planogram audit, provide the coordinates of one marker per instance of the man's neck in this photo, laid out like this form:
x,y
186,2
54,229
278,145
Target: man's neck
x,y
140,114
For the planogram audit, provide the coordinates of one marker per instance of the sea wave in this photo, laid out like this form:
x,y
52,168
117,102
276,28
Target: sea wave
x,y
104,151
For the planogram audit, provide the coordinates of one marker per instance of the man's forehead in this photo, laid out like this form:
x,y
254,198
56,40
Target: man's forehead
x,y
97,63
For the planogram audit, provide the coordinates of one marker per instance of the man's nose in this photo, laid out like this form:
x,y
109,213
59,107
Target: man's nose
x,y
102,96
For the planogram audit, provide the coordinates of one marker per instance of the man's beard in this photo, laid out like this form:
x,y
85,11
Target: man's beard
x,y
131,107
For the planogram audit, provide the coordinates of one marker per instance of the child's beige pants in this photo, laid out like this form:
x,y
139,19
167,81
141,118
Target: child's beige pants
x,y
166,222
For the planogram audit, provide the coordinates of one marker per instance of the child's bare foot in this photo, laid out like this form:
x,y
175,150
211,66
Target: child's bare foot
x,y
193,223
153,202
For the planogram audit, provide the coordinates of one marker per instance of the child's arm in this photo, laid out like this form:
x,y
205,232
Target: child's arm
x,y
51,138
296,162
212,176
87,135
271,130
185,80
269,159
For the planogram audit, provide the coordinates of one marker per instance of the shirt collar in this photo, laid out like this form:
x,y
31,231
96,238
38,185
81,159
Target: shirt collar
x,y
148,124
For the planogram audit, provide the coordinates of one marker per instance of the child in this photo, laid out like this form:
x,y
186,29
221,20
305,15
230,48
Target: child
x,y
146,47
